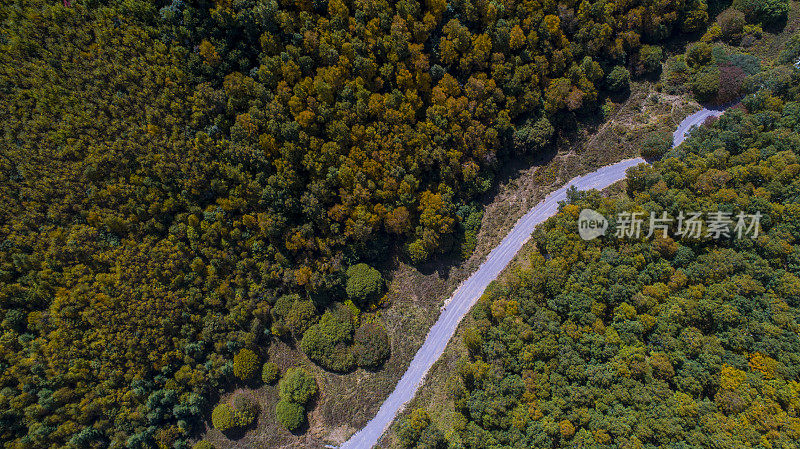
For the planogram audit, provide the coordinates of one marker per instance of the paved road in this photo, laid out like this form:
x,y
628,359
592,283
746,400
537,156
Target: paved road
x,y
470,290
695,119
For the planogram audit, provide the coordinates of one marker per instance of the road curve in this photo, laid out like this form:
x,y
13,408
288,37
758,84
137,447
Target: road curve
x,y
695,119
467,294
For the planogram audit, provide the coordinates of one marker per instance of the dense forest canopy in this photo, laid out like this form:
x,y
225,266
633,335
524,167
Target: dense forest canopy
x,y
181,181
651,342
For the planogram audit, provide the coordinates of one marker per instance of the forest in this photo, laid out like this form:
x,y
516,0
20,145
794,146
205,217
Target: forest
x,y
183,183
651,342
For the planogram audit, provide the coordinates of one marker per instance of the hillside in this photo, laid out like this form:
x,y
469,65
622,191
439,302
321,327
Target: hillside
x,y
198,197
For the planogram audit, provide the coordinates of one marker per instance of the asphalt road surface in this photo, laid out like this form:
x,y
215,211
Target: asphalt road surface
x,y
467,294
695,119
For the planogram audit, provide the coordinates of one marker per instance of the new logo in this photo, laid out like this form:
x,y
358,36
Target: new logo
x,y
591,224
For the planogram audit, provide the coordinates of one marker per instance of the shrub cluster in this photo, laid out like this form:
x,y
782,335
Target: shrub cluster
x,y
242,414
296,388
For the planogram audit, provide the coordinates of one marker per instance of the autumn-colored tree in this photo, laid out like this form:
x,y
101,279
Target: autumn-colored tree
x,y
224,418
245,364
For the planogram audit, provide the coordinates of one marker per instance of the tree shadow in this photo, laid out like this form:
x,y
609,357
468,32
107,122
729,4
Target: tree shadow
x,y
620,96
255,382
722,106
303,428
378,368
677,44
238,432
778,26
310,405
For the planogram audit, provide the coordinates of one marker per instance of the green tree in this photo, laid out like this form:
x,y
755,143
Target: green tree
x,y
327,343
706,85
699,55
654,145
301,316
650,57
246,410
371,345
297,385
290,415
418,431
767,12
618,79
533,136
364,283
270,373
791,50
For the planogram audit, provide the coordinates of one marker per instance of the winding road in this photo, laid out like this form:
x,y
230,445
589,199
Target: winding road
x,y
467,294
691,121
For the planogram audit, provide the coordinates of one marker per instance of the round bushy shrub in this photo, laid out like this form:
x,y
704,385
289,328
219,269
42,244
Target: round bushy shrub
x,y
291,415
533,136
417,251
417,430
619,78
246,410
327,343
731,24
655,145
567,429
706,85
270,373
298,385
766,12
363,283
245,364
223,417
698,55
371,345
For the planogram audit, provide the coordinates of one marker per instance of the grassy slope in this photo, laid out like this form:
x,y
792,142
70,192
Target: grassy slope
x,y
770,45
